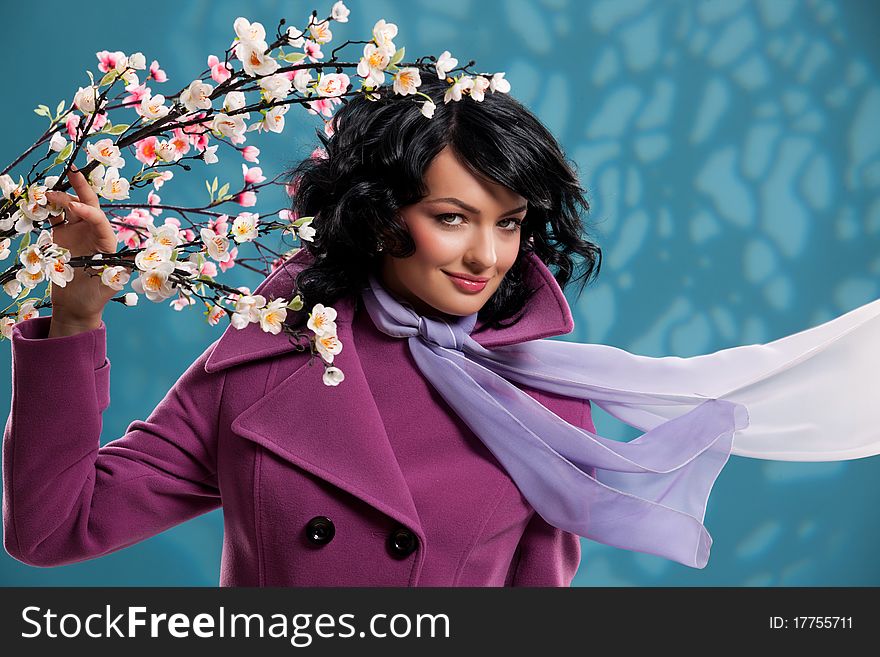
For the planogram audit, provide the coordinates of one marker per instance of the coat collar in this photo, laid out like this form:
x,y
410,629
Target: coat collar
x,y
336,432
546,314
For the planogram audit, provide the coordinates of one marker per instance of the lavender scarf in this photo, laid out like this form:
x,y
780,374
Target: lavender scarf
x,y
649,494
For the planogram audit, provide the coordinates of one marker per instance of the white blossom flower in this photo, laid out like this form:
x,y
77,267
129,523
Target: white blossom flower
x,y
295,37
115,277
340,12
244,228
29,280
197,96
4,248
154,283
58,271
217,245
332,84
428,108
234,100
6,326
32,259
165,235
274,119
12,287
254,61
137,61
373,64
247,310
445,63
479,87
462,85
233,127
210,154
384,34
498,83
27,311
272,315
249,32
57,143
214,314
154,256
131,299
333,376
166,151
115,188
96,177
85,99
328,346
106,152
321,32
302,80
9,187
153,107
306,232
406,81
322,320
276,86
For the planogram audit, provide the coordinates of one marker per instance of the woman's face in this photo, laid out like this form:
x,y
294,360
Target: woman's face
x,y
465,226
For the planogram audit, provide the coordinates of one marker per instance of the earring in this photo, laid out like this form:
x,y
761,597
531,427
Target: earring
x,y
380,245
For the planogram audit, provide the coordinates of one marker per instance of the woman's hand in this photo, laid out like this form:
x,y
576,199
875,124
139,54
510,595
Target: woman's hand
x,y
79,305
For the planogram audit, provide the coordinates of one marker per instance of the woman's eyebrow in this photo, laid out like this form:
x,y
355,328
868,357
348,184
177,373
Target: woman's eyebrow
x,y
469,208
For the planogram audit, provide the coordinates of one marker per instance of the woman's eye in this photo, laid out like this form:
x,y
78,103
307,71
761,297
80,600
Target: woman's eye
x,y
513,225
443,219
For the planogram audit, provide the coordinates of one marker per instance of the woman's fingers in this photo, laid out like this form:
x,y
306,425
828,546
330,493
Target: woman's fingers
x,y
82,188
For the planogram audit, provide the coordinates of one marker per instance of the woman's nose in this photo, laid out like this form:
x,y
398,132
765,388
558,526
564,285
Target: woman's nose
x,y
481,253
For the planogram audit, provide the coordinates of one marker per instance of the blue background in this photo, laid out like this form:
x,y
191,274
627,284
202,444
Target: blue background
x,y
732,158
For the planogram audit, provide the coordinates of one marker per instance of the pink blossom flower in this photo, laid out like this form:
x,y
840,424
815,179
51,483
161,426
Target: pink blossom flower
x,y
329,130
209,269
220,72
109,60
229,263
71,125
137,93
319,154
220,225
288,215
253,175
293,186
312,50
323,106
160,180
246,199
154,199
251,154
180,142
186,235
156,73
145,150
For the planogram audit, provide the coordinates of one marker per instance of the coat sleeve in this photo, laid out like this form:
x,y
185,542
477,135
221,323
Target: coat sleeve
x,y
66,498
547,555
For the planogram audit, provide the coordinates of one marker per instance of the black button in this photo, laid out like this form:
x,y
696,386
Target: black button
x,y
402,542
320,530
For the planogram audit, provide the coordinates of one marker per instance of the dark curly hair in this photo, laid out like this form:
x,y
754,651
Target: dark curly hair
x,y
375,165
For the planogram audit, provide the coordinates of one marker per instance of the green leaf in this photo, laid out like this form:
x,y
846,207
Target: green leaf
x,y
223,190
214,185
208,186
299,222
116,129
293,57
60,108
295,304
65,153
42,110
25,242
398,56
109,76
91,77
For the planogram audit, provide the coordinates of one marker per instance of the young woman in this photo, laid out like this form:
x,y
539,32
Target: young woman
x,y
461,455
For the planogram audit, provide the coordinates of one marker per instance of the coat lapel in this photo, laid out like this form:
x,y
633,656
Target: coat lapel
x,y
336,432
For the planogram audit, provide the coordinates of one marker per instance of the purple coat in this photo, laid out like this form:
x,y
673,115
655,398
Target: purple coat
x,y
375,482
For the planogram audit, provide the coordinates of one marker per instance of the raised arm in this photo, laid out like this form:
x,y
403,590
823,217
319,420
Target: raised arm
x,y
67,499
